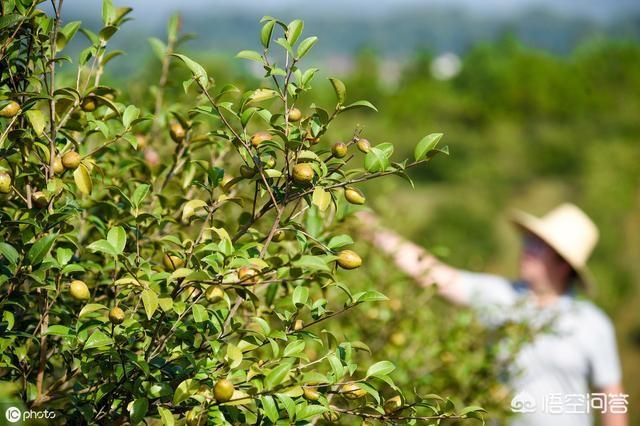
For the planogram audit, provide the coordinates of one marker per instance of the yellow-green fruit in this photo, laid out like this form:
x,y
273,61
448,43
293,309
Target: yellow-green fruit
x,y
352,391
280,235
214,294
172,262
39,199
260,137
79,290
349,259
398,339
354,196
177,132
223,390
247,172
303,173
89,104
10,110
58,167
116,315
247,276
295,114
311,394
339,150
270,162
392,404
71,160
298,325
312,140
363,145
5,183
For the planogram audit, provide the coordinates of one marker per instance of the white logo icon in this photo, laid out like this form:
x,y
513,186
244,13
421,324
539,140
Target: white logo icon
x,y
523,402
13,414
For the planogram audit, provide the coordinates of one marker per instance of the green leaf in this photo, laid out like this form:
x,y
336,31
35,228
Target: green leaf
x,y
185,390
234,355
251,55
339,241
370,296
321,198
158,47
311,262
9,253
97,339
305,46
294,29
103,246
426,144
266,33
58,330
339,88
269,408
37,120
196,69
190,208
91,307
130,114
138,409
360,104
471,409
82,179
40,249
108,12
277,375
150,302
294,348
300,296
381,368
166,416
117,237
63,255
376,160
199,313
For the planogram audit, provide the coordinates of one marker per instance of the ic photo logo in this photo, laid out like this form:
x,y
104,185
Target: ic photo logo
x,y
523,402
13,414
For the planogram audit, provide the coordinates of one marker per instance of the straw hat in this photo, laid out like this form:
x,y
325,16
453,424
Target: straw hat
x,y
569,231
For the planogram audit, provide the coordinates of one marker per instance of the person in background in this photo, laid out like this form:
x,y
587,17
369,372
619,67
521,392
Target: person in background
x,y
557,369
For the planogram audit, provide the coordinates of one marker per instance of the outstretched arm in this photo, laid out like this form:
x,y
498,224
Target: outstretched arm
x,y
414,260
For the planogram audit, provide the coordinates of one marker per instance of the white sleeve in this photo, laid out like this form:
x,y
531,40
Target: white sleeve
x,y
481,290
603,356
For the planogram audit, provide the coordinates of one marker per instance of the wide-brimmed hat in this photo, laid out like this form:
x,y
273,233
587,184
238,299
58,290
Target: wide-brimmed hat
x,y
569,231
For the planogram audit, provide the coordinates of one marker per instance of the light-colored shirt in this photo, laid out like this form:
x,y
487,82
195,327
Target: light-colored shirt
x,y
557,367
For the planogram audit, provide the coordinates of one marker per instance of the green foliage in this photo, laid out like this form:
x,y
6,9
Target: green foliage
x,y
154,215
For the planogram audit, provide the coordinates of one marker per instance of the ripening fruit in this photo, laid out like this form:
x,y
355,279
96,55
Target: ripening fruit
x,y
58,167
352,391
339,150
295,115
392,404
177,132
71,160
247,172
298,325
303,173
5,183
260,137
223,390
313,140
354,196
311,394
171,262
349,259
39,199
10,110
214,294
79,290
270,162
363,145
116,315
247,276
280,235
89,104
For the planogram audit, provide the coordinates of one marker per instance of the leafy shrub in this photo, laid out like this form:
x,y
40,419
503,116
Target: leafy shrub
x,y
178,263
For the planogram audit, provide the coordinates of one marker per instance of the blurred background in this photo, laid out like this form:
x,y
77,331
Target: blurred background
x,y
539,101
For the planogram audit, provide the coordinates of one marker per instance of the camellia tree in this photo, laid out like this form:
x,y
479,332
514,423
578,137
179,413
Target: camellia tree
x,y
176,266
